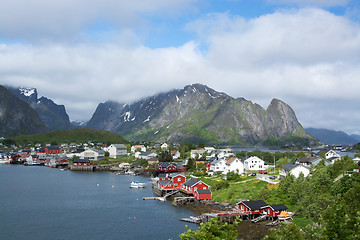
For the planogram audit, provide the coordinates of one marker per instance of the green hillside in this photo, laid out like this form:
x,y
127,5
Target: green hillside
x,y
80,135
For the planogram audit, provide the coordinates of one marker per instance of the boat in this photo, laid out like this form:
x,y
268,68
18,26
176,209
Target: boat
x,y
4,161
129,173
137,184
285,215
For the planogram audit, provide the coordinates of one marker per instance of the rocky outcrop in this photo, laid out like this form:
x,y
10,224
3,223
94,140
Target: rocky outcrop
x,y
54,116
198,114
17,117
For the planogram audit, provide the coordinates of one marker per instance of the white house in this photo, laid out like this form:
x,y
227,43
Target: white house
x,y
117,150
332,156
146,155
164,146
135,147
254,164
197,153
294,169
356,160
218,165
175,154
234,165
224,153
93,154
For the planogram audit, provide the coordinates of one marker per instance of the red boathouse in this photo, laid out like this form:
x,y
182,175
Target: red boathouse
x,y
252,207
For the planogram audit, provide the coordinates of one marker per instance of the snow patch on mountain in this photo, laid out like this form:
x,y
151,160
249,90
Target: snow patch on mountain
x,y
27,91
146,120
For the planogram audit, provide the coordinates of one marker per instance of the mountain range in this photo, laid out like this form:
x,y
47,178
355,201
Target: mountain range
x,y
332,137
17,117
200,114
195,114
54,116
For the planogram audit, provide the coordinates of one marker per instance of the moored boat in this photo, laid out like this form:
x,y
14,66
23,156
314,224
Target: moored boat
x,y
137,184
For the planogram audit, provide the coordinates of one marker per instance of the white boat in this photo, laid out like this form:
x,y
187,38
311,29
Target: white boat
x,y
129,173
3,161
137,184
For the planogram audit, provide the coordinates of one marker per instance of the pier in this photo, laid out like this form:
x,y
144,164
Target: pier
x,y
155,198
82,168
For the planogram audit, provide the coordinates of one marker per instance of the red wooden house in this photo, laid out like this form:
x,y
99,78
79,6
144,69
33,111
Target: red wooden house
x,y
193,184
208,165
178,179
166,167
52,150
165,185
274,210
81,162
164,176
252,207
202,194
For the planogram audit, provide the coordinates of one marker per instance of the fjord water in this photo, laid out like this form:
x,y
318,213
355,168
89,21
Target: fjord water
x,y
45,203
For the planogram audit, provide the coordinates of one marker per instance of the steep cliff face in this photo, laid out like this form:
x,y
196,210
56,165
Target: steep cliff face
x,y
17,117
51,114
198,114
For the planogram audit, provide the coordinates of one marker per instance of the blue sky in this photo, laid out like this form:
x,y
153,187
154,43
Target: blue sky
x,y
304,52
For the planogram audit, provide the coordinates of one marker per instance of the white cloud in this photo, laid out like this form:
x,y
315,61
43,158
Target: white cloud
x,y
65,20
317,3
309,58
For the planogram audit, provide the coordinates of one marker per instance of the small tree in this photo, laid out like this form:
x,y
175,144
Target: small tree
x,y
213,229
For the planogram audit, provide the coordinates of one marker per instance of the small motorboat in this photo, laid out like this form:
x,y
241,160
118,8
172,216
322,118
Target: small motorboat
x,y
137,184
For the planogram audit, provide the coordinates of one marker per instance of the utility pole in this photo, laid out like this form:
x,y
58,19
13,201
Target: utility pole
x,y
274,164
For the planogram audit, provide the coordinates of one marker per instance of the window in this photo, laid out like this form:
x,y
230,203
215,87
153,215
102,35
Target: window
x,y
204,188
242,207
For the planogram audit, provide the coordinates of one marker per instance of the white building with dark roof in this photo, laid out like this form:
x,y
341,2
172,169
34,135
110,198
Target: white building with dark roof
x,y
93,154
117,150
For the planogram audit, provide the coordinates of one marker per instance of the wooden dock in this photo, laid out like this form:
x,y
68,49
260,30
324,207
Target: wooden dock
x,y
155,198
258,219
191,220
82,168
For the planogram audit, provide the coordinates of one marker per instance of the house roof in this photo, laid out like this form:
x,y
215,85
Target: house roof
x,y
145,153
253,158
162,175
203,191
119,146
191,182
333,158
230,160
176,174
309,160
277,207
201,160
52,147
254,205
96,150
81,160
289,166
165,182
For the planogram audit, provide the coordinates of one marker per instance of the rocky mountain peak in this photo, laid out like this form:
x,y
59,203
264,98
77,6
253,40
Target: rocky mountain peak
x,y
54,116
198,113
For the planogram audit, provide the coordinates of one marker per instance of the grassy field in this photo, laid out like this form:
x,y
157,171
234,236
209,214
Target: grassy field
x,y
251,189
80,135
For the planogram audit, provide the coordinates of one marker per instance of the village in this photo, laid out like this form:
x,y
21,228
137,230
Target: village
x,y
174,177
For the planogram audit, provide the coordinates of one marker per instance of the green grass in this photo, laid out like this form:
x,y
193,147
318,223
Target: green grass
x,y
301,221
80,135
116,161
249,190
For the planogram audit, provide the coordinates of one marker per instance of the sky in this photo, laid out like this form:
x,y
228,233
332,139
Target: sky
x,y
82,52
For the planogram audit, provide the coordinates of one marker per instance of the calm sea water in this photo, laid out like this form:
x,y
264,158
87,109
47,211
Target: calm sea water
x,y
46,203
